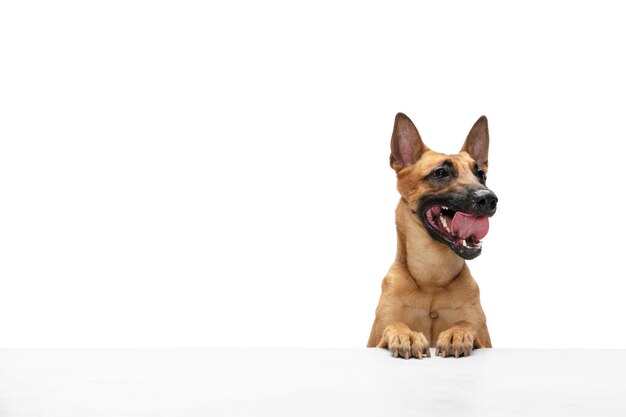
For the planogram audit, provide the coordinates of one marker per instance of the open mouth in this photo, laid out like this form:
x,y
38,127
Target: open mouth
x,y
461,231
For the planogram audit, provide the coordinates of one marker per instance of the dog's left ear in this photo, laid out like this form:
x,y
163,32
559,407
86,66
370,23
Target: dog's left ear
x,y
477,143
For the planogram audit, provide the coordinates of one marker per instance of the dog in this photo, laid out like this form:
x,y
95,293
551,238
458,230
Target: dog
x,y
429,298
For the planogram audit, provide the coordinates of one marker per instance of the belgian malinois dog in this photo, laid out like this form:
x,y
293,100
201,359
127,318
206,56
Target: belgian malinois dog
x,y
429,298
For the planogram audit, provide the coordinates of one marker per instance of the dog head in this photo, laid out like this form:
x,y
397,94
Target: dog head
x,y
447,194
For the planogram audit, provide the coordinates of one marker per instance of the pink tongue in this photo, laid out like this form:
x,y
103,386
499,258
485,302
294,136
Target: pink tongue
x,y
465,225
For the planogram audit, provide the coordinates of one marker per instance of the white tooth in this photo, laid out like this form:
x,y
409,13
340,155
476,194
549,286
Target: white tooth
x,y
445,224
465,243
444,207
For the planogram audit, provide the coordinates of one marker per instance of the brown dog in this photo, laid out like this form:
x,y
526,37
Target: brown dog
x,y
429,299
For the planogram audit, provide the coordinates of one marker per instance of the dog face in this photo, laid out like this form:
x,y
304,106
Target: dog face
x,y
447,193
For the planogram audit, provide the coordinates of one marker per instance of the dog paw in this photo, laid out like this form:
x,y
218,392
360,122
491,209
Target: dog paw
x,y
404,343
457,341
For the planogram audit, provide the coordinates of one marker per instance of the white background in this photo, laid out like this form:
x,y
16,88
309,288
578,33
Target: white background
x,y
195,174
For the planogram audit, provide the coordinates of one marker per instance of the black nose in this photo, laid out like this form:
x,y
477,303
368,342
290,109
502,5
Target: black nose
x,y
485,202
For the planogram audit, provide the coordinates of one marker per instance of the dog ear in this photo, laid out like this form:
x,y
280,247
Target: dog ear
x,y
477,143
406,143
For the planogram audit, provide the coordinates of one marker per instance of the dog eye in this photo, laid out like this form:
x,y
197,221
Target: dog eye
x,y
441,173
481,176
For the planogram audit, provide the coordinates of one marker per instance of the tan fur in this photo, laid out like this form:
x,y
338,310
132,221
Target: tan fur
x,y
429,298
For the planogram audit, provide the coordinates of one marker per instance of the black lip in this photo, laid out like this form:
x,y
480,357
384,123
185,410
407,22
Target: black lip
x,y
456,202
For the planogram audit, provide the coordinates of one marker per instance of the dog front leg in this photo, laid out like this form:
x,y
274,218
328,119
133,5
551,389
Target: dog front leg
x,y
458,340
404,342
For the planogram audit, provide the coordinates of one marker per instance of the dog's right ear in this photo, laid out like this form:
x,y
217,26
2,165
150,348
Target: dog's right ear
x,y
406,143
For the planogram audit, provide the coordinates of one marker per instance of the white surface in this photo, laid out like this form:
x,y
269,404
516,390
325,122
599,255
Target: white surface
x,y
309,382
201,173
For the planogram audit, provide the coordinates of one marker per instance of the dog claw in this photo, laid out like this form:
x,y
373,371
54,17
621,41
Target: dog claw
x,y
404,343
456,353
428,353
